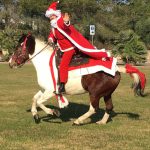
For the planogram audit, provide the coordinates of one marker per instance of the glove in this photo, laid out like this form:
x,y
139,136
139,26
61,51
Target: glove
x,y
50,41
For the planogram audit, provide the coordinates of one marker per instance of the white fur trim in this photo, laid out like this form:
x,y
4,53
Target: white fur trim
x,y
108,53
52,12
54,23
68,49
51,39
67,23
53,31
93,69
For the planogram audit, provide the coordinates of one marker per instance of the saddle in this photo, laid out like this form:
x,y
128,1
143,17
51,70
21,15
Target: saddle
x,y
77,59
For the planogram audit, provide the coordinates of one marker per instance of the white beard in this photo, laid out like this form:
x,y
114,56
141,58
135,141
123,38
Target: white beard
x,y
53,23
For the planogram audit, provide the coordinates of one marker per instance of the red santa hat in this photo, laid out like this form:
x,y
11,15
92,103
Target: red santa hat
x,y
52,10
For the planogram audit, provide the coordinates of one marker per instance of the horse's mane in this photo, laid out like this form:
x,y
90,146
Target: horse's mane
x,y
22,38
30,42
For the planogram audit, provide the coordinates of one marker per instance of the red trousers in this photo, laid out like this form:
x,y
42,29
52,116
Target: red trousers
x,y
64,65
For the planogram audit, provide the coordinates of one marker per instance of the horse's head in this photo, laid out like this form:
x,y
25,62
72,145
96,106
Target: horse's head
x,y
24,48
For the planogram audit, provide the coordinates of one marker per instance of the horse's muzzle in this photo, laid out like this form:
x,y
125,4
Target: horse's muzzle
x,y
12,64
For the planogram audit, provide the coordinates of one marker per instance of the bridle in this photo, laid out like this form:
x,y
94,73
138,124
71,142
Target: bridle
x,y
29,59
22,54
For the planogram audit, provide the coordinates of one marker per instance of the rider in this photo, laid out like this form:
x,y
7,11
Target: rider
x,y
68,40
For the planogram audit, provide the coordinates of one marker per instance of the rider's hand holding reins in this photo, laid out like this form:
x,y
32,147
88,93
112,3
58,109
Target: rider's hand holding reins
x,y
50,42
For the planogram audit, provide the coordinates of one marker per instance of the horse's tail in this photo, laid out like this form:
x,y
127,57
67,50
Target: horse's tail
x,y
139,78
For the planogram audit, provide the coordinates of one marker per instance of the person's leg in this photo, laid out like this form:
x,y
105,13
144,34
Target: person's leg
x,y
63,68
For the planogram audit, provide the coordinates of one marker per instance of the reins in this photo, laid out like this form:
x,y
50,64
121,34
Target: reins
x,y
33,56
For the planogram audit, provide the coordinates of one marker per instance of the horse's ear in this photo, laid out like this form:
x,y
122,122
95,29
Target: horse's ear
x,y
22,38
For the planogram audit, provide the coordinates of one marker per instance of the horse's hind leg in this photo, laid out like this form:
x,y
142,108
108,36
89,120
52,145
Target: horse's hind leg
x,y
109,107
94,105
81,119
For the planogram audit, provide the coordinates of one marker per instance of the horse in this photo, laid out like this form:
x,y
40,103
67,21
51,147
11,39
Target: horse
x,y
98,85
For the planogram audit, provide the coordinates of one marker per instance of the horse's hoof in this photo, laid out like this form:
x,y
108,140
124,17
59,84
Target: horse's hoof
x,y
36,119
74,124
100,122
56,113
49,115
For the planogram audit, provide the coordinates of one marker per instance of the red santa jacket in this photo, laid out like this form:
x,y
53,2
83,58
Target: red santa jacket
x,y
68,38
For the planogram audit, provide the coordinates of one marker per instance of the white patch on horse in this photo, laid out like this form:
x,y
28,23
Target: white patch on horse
x,y
74,86
41,63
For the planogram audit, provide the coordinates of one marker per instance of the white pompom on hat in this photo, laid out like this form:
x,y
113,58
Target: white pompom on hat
x,y
52,10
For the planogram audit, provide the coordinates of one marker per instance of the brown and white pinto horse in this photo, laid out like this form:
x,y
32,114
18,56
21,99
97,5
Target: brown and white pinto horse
x,y
98,84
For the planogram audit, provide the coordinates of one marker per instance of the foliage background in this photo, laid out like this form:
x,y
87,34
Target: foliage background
x,y
111,18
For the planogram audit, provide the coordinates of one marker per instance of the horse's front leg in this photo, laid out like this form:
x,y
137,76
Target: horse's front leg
x,y
44,97
34,102
35,115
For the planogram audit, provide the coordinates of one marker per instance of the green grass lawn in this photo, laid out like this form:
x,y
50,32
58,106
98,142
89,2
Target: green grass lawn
x,y
128,130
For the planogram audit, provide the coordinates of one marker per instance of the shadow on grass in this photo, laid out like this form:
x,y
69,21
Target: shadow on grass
x,y
146,94
74,110
128,114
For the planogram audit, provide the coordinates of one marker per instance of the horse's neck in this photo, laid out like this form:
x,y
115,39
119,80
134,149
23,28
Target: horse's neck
x,y
41,58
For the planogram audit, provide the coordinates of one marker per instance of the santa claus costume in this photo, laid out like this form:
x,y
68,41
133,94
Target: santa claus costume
x,y
69,40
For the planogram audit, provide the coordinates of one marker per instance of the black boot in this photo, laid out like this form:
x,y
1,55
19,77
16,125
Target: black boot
x,y
61,88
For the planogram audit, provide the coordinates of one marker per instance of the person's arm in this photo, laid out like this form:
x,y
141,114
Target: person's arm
x,y
64,21
51,38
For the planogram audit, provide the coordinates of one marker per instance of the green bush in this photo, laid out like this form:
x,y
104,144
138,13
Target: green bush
x,y
130,47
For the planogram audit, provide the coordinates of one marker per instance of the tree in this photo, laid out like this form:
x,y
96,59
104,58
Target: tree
x,y
110,18
130,47
143,29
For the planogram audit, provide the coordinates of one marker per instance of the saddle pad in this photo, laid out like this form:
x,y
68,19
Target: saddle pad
x,y
108,66
77,59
